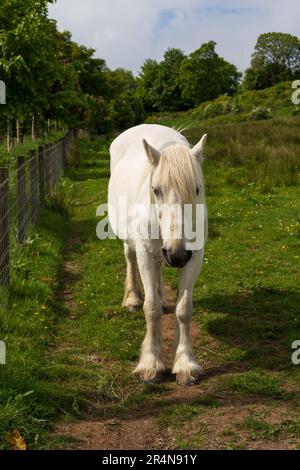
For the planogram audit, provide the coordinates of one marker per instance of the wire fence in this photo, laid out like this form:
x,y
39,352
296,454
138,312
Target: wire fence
x,y
23,194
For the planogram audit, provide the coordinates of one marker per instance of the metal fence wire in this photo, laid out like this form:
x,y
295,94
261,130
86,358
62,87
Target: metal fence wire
x,y
23,194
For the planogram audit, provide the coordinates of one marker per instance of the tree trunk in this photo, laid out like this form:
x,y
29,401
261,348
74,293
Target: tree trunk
x,y
8,142
18,131
33,135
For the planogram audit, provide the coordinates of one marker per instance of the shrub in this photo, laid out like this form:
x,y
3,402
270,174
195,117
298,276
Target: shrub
x,y
259,113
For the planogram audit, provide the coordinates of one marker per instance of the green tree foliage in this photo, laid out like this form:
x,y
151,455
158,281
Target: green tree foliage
x,y
149,85
159,83
118,107
51,77
27,49
205,75
169,78
276,58
179,82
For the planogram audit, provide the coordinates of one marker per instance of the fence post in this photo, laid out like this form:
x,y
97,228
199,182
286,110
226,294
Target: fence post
x,y
33,185
64,152
21,171
41,153
4,228
48,158
55,165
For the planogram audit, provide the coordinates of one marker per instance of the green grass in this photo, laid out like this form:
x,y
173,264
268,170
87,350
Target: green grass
x,y
29,315
176,415
255,382
9,158
260,428
72,347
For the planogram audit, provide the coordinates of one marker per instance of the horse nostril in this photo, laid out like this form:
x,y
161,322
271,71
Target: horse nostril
x,y
177,259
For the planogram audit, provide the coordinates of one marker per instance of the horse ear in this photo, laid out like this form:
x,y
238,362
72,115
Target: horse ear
x,y
199,148
152,153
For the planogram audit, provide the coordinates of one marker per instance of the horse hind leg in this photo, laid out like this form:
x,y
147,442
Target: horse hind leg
x,y
132,296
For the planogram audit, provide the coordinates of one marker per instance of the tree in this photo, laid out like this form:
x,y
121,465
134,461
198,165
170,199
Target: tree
x,y
92,71
125,108
204,75
149,86
159,83
276,58
27,52
169,81
50,77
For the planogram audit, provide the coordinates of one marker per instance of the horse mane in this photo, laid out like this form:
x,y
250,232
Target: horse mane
x,y
181,129
180,169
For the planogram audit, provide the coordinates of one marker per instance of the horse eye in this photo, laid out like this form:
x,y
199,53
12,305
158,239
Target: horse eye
x,y
156,191
197,190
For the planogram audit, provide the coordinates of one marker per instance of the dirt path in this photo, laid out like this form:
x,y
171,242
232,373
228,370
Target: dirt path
x,y
139,429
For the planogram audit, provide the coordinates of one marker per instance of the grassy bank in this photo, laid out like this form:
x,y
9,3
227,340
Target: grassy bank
x,y
29,315
275,102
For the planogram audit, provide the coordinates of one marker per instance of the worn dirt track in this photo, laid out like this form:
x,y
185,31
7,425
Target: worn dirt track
x,y
137,430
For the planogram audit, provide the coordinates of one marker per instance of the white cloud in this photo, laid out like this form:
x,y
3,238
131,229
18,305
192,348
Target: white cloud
x,y
126,32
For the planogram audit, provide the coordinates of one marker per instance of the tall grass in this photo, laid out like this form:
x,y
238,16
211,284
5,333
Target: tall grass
x,y
264,153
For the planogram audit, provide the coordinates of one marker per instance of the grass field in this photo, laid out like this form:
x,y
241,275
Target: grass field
x,y
72,347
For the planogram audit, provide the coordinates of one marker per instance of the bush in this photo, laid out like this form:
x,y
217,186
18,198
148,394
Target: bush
x,y
259,113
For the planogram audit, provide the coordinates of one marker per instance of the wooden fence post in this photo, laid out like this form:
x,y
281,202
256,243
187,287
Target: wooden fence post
x,y
64,152
21,195
55,170
41,153
48,158
33,185
4,228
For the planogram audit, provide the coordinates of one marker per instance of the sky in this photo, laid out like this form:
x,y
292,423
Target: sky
x,y
127,32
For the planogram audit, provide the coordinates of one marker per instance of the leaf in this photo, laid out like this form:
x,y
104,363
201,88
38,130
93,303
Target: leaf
x,y
16,441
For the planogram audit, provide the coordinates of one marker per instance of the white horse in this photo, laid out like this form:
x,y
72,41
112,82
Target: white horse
x,y
155,164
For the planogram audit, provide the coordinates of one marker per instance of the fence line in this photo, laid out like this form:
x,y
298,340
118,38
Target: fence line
x,y
23,194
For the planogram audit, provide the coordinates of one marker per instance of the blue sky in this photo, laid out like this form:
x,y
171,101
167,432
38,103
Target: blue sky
x,y
164,18
126,32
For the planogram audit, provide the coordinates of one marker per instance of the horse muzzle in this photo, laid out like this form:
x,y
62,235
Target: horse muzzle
x,y
176,259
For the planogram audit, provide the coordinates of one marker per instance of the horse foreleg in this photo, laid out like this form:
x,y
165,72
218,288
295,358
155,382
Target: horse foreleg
x,y
150,364
185,367
132,295
166,305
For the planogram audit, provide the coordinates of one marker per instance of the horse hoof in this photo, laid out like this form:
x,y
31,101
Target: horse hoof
x,y
132,307
186,380
153,380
